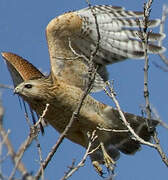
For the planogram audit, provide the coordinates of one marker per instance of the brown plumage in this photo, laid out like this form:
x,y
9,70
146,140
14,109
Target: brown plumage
x,y
63,88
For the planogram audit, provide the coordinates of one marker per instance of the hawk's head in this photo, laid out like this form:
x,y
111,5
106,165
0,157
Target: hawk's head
x,y
35,89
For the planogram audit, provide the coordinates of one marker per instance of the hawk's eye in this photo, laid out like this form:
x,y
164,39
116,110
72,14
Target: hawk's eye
x,y
28,86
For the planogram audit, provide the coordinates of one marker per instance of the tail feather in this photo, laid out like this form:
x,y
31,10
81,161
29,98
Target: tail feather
x,y
124,141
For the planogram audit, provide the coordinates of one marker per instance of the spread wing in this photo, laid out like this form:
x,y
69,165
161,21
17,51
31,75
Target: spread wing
x,y
74,34
20,69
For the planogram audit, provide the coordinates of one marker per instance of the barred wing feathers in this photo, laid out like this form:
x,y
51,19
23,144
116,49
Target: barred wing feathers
x,y
118,37
74,34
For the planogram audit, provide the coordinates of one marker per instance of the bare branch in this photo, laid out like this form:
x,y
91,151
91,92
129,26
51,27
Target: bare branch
x,y
42,116
81,163
33,134
40,156
159,149
9,146
112,95
147,10
156,116
6,86
22,149
113,130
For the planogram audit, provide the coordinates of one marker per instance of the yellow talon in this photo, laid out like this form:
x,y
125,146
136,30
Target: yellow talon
x,y
97,167
109,162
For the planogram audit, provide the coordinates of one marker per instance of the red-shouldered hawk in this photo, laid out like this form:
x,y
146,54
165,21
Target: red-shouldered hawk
x,y
71,38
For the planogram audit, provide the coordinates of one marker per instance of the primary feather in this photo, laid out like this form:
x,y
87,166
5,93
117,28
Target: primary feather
x,y
77,32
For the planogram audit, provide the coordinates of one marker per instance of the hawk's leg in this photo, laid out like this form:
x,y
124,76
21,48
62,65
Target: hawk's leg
x,y
108,161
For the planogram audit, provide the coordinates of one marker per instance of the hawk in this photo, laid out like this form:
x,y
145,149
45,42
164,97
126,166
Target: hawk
x,y
72,37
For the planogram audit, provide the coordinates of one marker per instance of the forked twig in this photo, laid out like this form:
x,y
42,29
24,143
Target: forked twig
x,y
112,95
32,135
92,138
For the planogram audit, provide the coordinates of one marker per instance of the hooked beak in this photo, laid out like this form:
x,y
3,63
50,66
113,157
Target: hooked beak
x,y
16,91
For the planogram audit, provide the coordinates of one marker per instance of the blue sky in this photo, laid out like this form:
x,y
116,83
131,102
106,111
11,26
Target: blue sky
x,y
22,31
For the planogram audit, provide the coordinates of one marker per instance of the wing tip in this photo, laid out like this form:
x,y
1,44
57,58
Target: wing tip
x,y
6,55
162,36
22,66
154,23
156,49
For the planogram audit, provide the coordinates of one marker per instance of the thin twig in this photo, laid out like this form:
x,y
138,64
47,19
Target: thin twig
x,y
112,95
81,163
20,155
40,156
6,86
164,58
163,68
33,134
157,117
37,142
77,55
9,146
42,116
160,150
147,10
113,130
93,54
